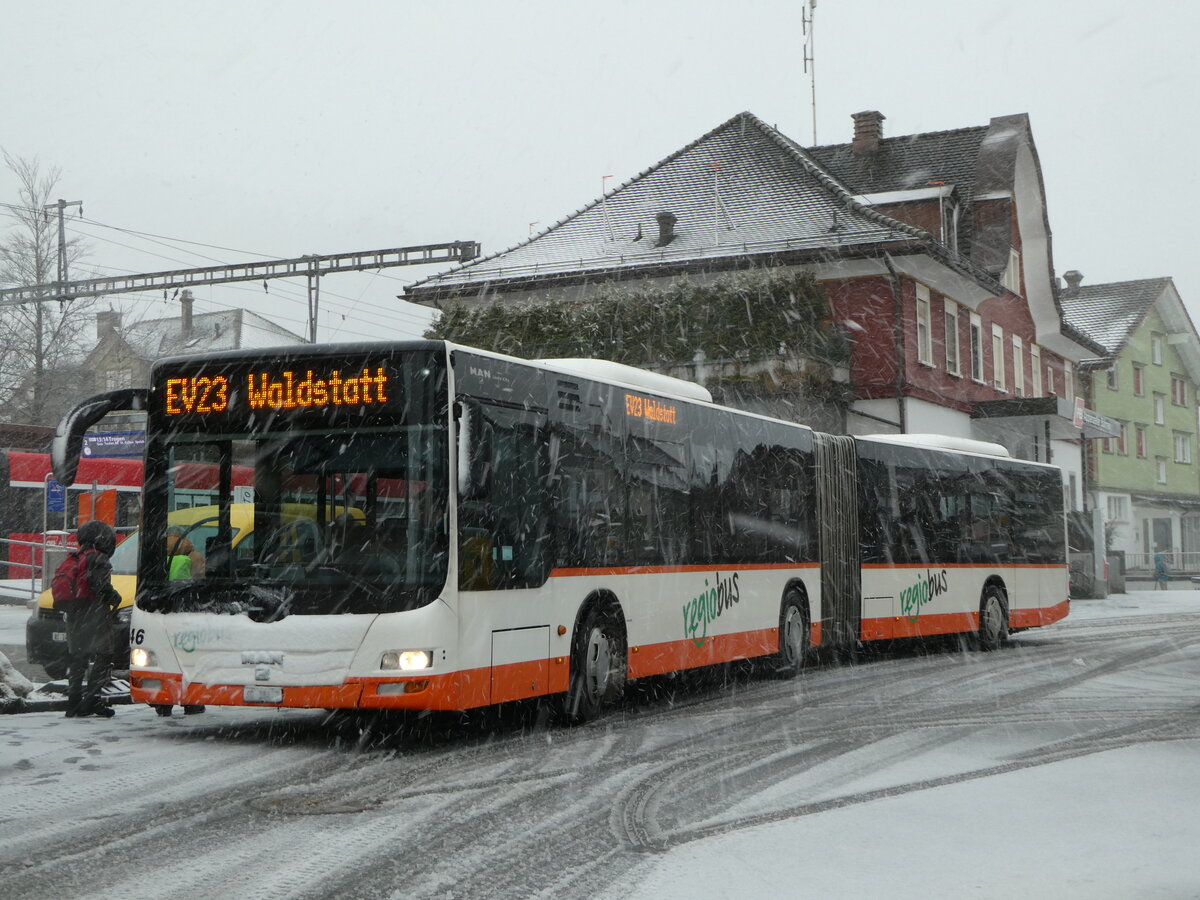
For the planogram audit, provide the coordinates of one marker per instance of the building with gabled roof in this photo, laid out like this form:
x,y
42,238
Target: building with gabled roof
x,y
1146,479
123,355
933,251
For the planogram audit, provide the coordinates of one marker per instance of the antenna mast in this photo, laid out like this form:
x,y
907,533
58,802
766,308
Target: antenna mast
x,y
810,61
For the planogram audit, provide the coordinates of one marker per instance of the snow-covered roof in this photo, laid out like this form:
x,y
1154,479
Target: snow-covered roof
x,y
741,189
1111,313
233,329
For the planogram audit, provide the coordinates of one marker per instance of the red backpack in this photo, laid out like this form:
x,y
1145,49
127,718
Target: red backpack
x,y
70,585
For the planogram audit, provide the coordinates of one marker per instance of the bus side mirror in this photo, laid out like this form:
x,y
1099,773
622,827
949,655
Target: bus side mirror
x,y
474,452
68,436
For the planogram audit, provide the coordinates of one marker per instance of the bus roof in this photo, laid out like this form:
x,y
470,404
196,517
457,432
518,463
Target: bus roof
x,y
631,376
941,442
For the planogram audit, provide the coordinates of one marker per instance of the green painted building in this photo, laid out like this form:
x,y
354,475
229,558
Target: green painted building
x,y
1146,481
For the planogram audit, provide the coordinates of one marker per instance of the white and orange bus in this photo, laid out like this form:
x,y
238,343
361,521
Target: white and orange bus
x,y
548,528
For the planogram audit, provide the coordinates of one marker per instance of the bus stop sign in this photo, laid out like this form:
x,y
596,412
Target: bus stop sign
x,y
56,497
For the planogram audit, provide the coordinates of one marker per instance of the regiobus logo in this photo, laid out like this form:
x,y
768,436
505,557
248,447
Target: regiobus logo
x,y
913,598
714,600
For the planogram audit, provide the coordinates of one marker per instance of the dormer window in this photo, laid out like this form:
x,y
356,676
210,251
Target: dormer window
x,y
950,223
1012,272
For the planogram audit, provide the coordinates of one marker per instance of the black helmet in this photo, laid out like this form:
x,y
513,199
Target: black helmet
x,y
99,535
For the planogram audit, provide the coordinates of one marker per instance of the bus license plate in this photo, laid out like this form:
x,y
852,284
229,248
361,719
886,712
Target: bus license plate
x,y
256,693
60,636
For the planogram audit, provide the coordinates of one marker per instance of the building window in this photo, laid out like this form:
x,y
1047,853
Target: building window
x,y
976,347
1068,382
1160,413
1035,368
1160,464
1183,447
1012,272
1018,366
1140,438
1114,382
1139,380
116,379
1156,344
1050,391
924,341
952,362
1178,390
950,223
998,381
1118,509
1123,438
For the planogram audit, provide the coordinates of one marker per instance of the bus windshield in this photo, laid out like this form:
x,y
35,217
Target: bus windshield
x,y
331,483
335,522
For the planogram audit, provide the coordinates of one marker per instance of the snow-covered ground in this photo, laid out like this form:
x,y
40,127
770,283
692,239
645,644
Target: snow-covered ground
x,y
19,590
996,784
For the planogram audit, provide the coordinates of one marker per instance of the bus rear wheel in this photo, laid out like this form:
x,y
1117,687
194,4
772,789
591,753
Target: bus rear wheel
x,y
993,619
598,665
793,636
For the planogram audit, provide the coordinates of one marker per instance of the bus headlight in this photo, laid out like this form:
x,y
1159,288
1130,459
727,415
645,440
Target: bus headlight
x,y
404,660
142,658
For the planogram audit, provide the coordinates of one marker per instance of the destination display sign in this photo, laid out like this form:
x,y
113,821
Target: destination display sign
x,y
281,389
315,390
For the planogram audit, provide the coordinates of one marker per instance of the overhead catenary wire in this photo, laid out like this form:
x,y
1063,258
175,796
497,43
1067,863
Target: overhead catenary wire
x,y
396,316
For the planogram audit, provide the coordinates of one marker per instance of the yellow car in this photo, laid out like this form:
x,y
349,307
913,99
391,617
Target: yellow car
x,y
46,629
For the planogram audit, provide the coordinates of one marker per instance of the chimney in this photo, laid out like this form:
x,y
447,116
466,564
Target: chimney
x,y
666,228
185,314
1073,278
106,321
868,130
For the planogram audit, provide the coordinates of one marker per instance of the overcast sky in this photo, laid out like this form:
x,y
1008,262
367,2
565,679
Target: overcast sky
x,y
259,130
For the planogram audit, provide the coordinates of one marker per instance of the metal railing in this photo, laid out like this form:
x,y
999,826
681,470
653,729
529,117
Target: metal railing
x,y
1178,562
35,566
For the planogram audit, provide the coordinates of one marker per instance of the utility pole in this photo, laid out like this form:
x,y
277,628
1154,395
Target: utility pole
x,y
314,296
60,283
810,57
62,279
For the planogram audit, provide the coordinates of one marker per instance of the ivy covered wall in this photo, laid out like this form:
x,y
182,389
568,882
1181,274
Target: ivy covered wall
x,y
751,317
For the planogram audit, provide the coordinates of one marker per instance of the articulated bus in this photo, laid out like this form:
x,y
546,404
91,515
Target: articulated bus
x,y
546,529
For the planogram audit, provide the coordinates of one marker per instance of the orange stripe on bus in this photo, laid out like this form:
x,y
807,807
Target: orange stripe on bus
x,y
671,570
467,689
891,627
671,656
944,565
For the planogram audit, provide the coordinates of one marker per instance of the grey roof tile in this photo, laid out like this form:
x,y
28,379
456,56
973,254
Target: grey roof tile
x,y
231,329
914,161
1110,313
742,188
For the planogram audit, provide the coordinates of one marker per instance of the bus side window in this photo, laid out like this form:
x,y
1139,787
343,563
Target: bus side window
x,y
502,536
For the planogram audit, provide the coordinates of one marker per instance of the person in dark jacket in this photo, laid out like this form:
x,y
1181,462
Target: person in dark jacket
x,y
90,623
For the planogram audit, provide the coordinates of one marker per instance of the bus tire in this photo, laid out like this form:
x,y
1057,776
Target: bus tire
x,y
598,664
993,619
794,646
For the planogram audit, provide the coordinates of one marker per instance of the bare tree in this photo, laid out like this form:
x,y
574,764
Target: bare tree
x,y
40,343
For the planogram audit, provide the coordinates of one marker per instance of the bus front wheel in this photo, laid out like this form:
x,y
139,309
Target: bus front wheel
x,y
993,619
793,635
598,664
